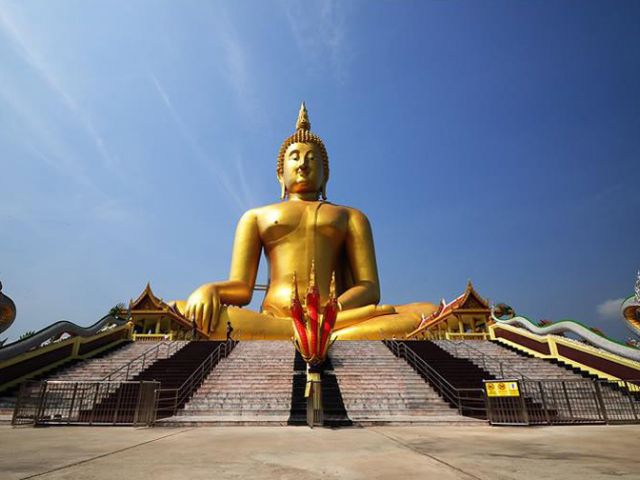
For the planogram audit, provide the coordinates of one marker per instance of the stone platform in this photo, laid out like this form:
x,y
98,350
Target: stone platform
x,y
443,453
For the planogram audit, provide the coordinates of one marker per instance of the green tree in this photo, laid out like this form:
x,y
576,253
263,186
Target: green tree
x,y
118,311
27,334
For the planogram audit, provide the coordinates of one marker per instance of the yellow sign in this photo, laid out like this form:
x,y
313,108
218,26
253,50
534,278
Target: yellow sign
x,y
502,389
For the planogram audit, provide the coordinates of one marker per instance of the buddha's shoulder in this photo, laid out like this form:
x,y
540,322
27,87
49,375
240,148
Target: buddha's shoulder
x,y
259,212
350,211
284,206
353,215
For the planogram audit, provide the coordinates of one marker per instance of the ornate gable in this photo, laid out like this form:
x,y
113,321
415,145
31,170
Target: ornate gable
x,y
147,301
473,301
469,300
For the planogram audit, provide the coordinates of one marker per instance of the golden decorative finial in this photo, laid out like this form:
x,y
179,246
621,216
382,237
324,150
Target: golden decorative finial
x,y
312,274
294,287
332,285
303,122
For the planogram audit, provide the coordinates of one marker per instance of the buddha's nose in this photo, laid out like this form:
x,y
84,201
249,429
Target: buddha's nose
x,y
303,164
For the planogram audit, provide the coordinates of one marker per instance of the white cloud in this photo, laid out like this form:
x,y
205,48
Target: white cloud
x,y
236,62
610,309
320,34
21,39
207,160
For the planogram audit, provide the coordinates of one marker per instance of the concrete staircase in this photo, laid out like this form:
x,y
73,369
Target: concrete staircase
x,y
98,368
251,386
503,362
564,386
95,369
378,388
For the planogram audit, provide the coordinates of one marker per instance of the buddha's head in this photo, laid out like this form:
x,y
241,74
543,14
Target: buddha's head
x,y
303,163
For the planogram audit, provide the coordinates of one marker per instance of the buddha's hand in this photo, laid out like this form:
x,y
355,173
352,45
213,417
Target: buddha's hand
x,y
203,306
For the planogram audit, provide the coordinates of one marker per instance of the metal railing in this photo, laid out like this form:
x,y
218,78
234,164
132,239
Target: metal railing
x,y
488,362
559,402
86,403
468,401
139,363
169,400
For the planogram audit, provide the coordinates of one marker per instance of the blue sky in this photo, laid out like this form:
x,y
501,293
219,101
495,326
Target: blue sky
x,y
492,141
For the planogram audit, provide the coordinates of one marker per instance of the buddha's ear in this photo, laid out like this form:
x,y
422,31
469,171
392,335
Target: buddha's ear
x,y
323,190
283,189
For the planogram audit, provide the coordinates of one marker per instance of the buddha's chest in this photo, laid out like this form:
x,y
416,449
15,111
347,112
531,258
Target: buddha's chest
x,y
293,222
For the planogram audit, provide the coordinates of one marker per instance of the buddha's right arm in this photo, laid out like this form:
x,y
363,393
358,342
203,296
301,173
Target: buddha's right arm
x,y
204,303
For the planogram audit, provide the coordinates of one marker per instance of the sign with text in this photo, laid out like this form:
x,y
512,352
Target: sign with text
x,y
502,389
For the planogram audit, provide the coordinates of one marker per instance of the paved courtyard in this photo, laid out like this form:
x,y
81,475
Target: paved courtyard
x,y
479,452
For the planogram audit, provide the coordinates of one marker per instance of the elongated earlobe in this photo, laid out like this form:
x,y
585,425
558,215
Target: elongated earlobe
x,y
283,191
324,191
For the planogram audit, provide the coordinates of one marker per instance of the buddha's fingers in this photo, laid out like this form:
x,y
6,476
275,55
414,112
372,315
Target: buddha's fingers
x,y
198,314
206,317
215,310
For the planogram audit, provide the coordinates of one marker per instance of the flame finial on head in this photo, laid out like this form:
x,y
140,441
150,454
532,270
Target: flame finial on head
x,y
303,122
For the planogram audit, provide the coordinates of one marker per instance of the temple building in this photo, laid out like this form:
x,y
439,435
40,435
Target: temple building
x,y
468,316
322,349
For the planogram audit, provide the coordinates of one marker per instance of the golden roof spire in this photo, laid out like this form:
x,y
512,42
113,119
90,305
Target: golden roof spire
x,y
303,122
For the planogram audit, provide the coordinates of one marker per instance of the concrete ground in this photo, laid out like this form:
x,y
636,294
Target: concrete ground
x,y
438,452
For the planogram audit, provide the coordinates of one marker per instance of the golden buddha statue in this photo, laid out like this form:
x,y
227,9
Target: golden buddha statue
x,y
298,234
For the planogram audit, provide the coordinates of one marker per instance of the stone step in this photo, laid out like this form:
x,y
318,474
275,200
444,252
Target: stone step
x,y
376,384
255,379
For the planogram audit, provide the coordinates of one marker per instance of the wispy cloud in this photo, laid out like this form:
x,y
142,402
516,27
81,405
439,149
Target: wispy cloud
x,y
234,59
42,143
319,30
610,309
207,160
21,40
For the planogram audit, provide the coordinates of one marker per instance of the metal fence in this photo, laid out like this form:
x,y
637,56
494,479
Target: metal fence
x,y
558,402
87,403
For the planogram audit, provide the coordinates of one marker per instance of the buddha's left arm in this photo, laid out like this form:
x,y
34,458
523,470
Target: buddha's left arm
x,y
362,260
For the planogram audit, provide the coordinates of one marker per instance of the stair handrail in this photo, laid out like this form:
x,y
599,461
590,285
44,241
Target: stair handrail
x,y
181,393
448,391
172,347
484,357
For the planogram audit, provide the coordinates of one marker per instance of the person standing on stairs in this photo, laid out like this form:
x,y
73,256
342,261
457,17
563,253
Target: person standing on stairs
x,y
229,330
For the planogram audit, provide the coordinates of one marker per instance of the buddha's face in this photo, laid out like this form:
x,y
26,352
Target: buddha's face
x,y
303,170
